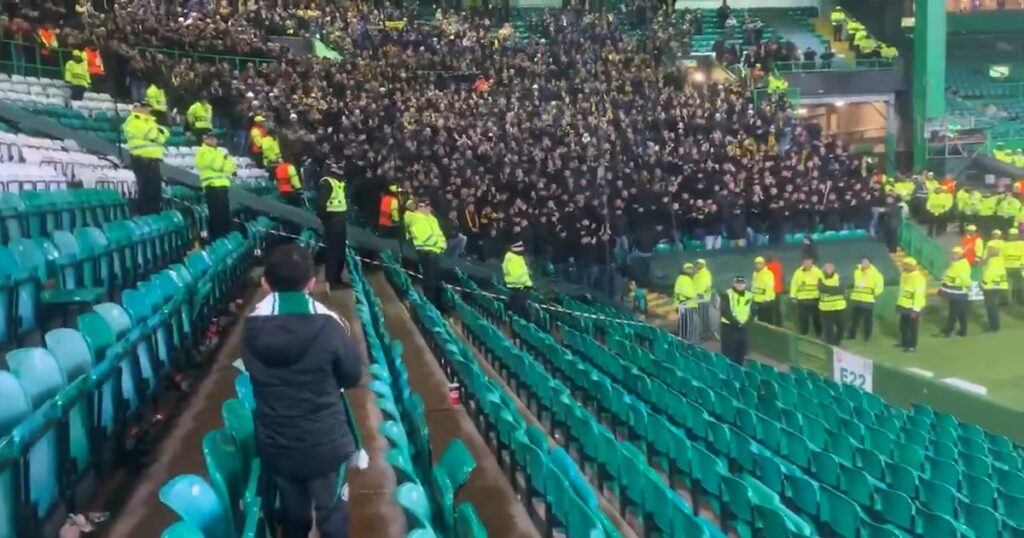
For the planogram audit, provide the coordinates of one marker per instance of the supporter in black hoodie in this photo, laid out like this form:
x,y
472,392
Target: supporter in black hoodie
x,y
300,357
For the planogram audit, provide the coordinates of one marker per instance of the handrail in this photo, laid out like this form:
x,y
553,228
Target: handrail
x,y
26,58
929,253
836,65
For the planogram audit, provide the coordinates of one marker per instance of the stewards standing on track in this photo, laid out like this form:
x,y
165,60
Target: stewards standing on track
x,y
994,285
332,206
429,242
735,303
910,303
832,303
517,280
1013,256
766,304
803,288
215,168
868,284
956,284
145,140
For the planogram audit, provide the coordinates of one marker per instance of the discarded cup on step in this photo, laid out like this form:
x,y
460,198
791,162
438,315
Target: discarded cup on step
x,y
453,394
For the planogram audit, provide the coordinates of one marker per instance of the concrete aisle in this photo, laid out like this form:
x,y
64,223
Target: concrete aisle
x,y
372,505
487,488
181,451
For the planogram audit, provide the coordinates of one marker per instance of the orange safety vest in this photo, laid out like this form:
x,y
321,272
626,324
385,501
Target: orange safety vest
x,y
384,218
284,177
968,242
49,40
94,60
253,146
950,185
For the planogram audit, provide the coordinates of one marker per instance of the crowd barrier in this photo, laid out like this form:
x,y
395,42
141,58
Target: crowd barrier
x,y
916,243
698,323
896,385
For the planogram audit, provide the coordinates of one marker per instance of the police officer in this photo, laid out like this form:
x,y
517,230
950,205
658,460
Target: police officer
x,y
429,242
832,304
956,284
868,284
157,101
911,301
838,18
215,168
517,280
76,73
993,285
200,118
735,303
1013,258
145,140
332,207
766,304
803,288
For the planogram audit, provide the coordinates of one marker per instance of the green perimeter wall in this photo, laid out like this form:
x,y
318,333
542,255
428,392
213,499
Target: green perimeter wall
x,y
1007,21
897,386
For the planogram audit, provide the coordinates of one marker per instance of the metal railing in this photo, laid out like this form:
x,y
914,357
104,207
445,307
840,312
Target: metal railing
x,y
931,255
699,323
28,59
838,64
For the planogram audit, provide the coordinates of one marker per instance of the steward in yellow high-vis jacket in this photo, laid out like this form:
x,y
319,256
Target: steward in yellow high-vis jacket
x,y
516,274
803,288
736,315
76,73
1013,259
157,101
429,242
215,168
910,303
832,304
766,304
199,117
956,284
145,140
868,284
994,284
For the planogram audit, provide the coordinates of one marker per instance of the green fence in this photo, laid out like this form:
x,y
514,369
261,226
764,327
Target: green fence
x,y
931,255
898,386
835,65
27,59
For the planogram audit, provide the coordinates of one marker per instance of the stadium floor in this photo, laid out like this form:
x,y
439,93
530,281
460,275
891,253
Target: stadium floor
x,y
993,361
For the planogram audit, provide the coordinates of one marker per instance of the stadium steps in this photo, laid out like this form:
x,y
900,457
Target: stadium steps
x,y
899,256
823,26
487,487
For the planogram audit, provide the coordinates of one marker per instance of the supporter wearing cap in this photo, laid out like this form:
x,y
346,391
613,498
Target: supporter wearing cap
x,y
736,303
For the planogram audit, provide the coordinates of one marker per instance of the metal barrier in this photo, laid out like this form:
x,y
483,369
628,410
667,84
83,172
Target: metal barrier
x,y
916,243
27,59
699,323
835,65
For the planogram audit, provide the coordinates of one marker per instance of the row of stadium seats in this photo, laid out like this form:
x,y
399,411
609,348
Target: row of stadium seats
x,y
839,456
33,163
551,478
232,497
68,405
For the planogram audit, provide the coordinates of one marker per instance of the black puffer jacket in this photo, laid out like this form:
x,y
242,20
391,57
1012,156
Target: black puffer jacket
x,y
300,356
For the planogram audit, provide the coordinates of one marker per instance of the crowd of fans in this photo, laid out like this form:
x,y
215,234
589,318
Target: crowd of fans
x,y
579,140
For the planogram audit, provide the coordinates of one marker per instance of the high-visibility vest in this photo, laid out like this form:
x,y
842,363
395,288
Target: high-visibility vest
x,y
515,271
1013,254
271,150
76,73
427,236
337,203
763,284
837,16
739,305
957,278
48,40
1009,208
156,98
684,291
988,206
287,178
913,287
867,284
256,133
214,166
804,284
993,277
974,247
200,115
144,137
388,215
831,302
702,283
94,61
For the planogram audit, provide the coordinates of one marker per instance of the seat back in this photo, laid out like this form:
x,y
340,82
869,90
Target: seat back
x,y
226,469
15,407
198,504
